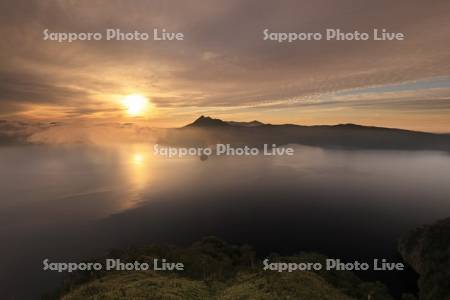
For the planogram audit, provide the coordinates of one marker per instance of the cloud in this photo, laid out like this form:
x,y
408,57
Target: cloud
x,y
29,87
223,61
18,132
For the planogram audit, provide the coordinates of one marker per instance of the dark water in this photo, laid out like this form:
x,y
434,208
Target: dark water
x,y
71,203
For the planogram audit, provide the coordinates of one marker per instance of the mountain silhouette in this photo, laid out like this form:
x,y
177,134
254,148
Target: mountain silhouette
x,y
246,124
207,131
203,121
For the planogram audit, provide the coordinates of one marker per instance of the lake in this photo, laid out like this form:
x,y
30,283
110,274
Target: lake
x,y
68,203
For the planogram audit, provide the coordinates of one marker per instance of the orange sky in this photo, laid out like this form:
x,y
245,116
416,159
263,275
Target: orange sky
x,y
223,67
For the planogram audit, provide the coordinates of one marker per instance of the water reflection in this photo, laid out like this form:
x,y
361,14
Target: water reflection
x,y
138,158
138,164
55,199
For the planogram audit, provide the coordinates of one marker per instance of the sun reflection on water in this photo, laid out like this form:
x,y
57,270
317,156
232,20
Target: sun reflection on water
x,y
137,158
138,170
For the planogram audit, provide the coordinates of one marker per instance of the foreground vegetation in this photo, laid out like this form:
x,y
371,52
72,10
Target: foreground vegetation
x,y
427,250
217,270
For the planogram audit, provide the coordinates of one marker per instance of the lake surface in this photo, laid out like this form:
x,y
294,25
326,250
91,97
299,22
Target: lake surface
x,y
70,203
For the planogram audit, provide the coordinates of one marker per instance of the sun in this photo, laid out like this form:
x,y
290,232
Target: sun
x,y
136,104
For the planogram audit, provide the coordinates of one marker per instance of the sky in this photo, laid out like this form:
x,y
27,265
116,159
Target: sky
x,y
223,67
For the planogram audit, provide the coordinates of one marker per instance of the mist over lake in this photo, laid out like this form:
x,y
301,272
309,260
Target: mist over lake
x,y
68,203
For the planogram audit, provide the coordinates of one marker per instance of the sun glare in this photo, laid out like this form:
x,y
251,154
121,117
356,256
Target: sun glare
x,y
136,104
138,158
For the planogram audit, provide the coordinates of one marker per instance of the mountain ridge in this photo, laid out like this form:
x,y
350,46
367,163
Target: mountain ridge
x,y
206,130
206,121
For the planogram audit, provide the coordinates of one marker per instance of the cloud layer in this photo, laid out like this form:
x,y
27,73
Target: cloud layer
x,y
223,66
